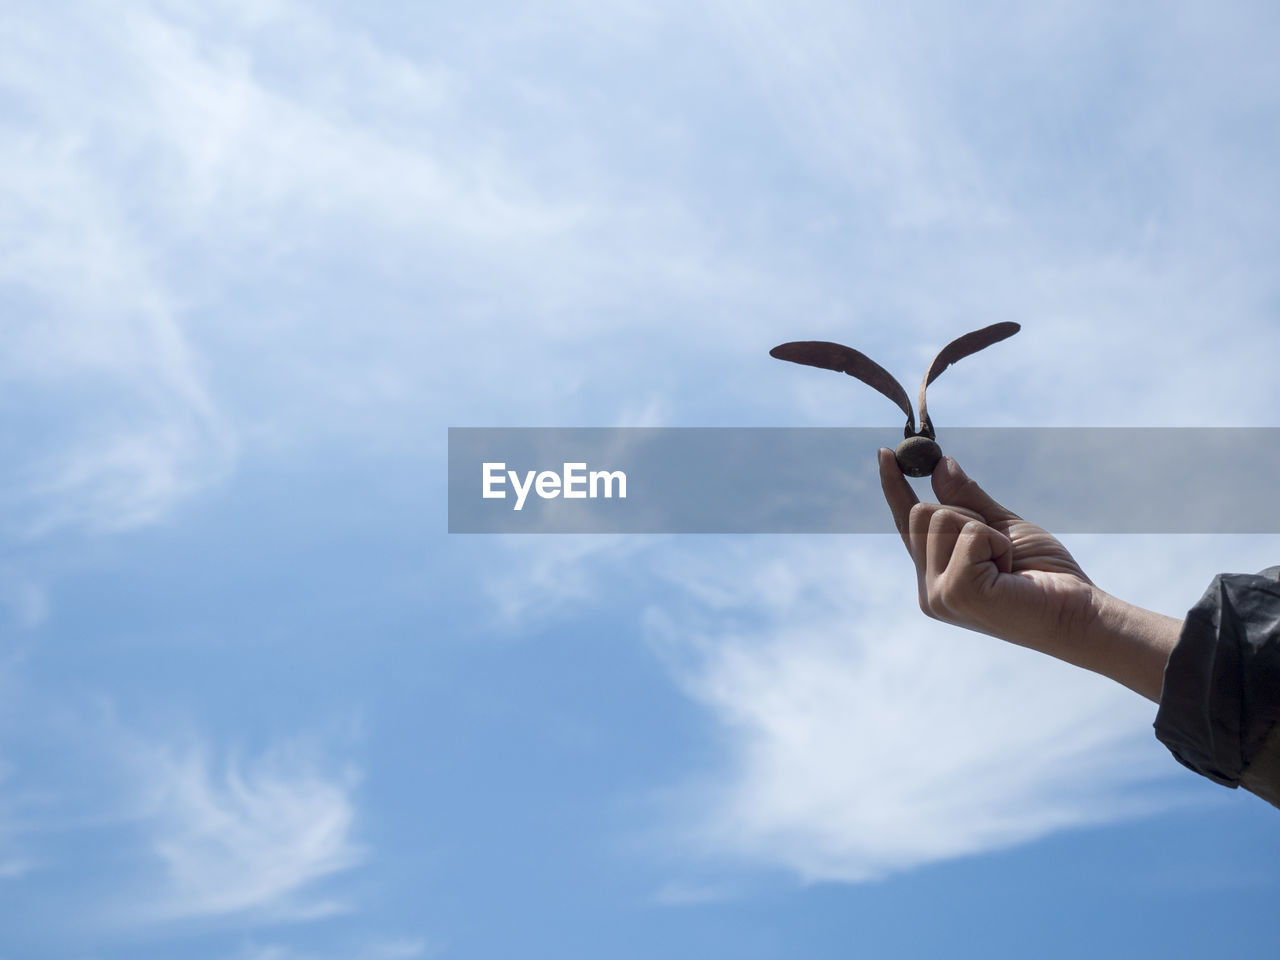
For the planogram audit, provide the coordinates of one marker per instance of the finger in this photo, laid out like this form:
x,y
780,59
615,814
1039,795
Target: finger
x,y
919,529
953,487
979,545
979,554
897,492
932,531
944,529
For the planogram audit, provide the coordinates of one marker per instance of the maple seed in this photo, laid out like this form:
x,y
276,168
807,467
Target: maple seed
x,y
919,453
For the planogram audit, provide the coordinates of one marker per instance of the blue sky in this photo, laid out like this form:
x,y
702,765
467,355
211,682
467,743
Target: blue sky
x,y
256,258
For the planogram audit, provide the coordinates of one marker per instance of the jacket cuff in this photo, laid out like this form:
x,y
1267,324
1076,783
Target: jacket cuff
x,y
1221,695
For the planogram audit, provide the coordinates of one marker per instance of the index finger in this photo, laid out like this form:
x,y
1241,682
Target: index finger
x,y
897,492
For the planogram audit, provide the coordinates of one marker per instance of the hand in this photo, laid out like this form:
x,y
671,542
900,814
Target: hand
x,y
982,567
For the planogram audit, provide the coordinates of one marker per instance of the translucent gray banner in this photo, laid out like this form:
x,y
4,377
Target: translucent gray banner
x,y
813,480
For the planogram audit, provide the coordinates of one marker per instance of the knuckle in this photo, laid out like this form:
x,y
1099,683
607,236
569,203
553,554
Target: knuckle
x,y
945,522
941,518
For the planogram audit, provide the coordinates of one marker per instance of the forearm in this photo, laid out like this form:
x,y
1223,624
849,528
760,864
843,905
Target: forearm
x,y
1127,643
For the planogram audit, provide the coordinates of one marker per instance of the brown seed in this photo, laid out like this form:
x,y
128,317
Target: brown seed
x,y
917,456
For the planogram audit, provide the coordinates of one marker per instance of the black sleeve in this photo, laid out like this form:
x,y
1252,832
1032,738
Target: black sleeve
x,y
1221,699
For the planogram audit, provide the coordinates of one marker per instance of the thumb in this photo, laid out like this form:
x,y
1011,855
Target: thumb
x,y
953,487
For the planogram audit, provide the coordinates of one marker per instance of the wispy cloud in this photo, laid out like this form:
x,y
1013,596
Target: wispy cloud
x,y
196,833
537,578
860,739
373,949
126,426
167,165
244,838
150,164
980,171
853,737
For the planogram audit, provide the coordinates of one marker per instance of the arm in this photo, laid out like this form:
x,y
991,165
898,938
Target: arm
x,y
1216,676
981,567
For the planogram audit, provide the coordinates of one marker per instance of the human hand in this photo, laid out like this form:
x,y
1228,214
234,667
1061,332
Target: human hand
x,y
979,565
982,567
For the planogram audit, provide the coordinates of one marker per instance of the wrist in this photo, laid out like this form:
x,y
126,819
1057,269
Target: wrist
x,y
1128,643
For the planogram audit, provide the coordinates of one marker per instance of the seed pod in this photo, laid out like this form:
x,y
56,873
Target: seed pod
x,y
919,452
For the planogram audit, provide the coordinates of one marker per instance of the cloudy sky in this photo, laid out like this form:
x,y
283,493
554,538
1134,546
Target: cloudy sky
x,y
257,258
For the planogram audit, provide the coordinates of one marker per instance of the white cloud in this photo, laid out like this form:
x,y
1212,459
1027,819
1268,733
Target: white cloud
x,y
244,838
853,737
149,165
844,83
168,158
159,831
125,425
167,164
860,739
978,170
536,578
